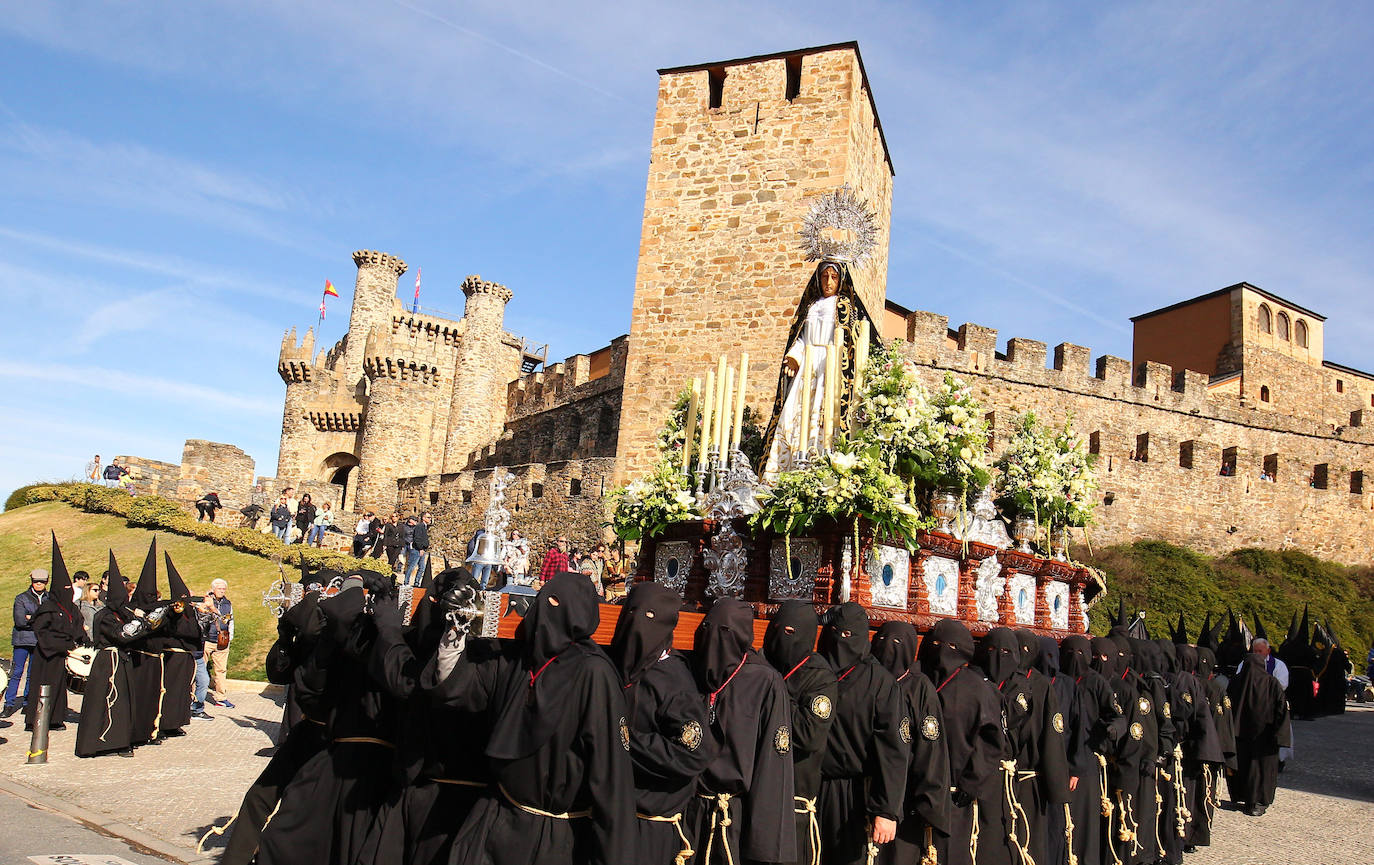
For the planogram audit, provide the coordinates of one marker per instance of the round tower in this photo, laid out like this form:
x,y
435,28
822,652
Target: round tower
x,y
374,297
396,427
478,410
297,370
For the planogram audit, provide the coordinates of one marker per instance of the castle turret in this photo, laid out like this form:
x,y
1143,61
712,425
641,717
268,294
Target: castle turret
x,y
296,368
477,412
400,418
374,298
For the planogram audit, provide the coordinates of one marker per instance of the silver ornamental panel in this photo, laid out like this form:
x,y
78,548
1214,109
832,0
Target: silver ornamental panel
x,y
403,596
672,564
1057,598
796,579
491,601
942,585
889,575
1023,599
988,588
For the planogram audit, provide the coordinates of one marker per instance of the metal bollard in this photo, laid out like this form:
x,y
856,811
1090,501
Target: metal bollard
x,y
38,745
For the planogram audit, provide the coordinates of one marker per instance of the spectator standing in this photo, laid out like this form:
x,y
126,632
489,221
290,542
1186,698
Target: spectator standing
x,y
305,516
555,560
92,475
114,473
204,612
393,539
25,605
281,518
586,568
515,558
219,633
207,505
480,572
80,580
322,523
418,554
363,535
613,574
91,602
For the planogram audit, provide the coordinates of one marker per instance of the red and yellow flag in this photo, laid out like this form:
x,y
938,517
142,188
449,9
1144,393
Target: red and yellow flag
x,y
329,289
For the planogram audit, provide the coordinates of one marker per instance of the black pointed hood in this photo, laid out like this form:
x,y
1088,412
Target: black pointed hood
x,y
722,643
1075,656
1187,658
1047,658
116,588
894,646
1304,635
145,593
60,582
564,612
947,647
1180,635
1029,643
999,654
844,642
1204,633
1121,620
1206,663
784,648
177,588
644,630
1260,632
1335,640
1105,653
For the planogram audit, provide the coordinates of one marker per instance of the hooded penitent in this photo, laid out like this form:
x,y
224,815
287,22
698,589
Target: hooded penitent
x,y
57,628
947,647
791,635
894,645
644,630
145,592
722,642
999,654
844,642
117,590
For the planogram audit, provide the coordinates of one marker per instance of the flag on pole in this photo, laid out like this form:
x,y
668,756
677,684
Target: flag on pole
x,y
329,290
416,306
322,308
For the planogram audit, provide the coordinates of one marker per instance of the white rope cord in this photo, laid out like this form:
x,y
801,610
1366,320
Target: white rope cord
x,y
111,693
720,820
1068,834
813,828
1014,807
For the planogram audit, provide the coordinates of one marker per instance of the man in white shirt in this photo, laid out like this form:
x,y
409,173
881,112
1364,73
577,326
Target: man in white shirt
x,y
1272,665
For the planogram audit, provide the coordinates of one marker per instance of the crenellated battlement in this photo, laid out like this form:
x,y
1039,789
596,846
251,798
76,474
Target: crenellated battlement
x,y
373,258
576,377
475,284
401,369
294,362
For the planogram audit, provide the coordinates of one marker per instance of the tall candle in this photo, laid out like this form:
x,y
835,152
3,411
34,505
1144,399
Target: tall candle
x,y
706,418
727,413
689,430
802,427
739,402
720,402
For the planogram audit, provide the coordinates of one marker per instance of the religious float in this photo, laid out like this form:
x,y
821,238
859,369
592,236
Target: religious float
x,y
863,486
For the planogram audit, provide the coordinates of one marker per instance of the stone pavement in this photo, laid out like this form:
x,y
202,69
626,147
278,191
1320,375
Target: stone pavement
x,y
167,795
171,792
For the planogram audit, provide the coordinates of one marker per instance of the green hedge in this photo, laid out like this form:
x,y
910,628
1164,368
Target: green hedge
x,y
1164,580
155,512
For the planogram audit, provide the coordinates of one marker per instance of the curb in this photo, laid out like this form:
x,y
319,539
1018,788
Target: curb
x,y
141,841
264,689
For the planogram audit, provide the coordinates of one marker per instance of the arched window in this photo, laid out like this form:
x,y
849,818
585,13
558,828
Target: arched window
x,y
1300,333
1283,326
1266,319
1264,393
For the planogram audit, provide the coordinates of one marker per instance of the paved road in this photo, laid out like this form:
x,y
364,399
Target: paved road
x,y
31,831
168,795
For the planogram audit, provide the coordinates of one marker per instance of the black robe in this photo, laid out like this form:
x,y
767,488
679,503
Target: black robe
x,y
975,736
1332,682
926,802
1262,727
1198,747
750,782
1131,763
107,702
183,639
560,739
1208,794
863,774
58,630
1092,730
327,811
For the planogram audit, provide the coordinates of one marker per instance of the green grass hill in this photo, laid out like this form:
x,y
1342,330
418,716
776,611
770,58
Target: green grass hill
x,y
85,538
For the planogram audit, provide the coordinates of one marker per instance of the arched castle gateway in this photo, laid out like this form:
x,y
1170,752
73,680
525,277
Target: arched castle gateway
x,y
414,410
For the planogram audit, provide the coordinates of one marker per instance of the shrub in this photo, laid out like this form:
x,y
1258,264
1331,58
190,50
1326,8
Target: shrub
x,y
155,512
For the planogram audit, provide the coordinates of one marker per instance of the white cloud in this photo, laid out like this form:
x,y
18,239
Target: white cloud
x,y
147,389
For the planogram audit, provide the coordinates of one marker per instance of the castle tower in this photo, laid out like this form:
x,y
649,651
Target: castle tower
x,y
400,415
739,149
374,297
297,370
478,408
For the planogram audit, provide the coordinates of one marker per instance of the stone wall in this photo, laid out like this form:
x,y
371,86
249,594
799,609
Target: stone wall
x,y
719,267
1162,441
152,477
214,467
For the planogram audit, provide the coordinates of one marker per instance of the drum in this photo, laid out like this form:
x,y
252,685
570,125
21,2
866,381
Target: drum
x,y
79,661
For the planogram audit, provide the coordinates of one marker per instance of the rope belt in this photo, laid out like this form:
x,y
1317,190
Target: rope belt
x,y
363,740
459,782
111,693
1159,814
973,836
180,651
1068,834
530,809
1024,775
720,820
1181,813
813,828
1104,797
1015,810
676,819
930,857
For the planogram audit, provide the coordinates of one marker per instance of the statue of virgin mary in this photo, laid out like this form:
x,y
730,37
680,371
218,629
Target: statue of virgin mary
x,y
829,303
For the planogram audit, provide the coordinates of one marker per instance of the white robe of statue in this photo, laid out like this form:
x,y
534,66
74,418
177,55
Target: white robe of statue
x,y
819,333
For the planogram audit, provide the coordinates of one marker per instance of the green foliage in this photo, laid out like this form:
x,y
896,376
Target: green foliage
x,y
647,506
155,512
1164,580
19,497
1047,474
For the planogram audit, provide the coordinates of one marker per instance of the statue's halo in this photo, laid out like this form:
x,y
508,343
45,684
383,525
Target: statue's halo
x,y
844,211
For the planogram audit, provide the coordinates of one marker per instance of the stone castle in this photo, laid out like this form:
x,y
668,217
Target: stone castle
x,y
412,411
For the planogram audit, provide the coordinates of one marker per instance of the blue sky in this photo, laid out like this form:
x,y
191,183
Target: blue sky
x,y
179,179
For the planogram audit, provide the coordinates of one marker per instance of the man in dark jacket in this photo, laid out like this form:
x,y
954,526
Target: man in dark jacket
x,y
418,554
25,605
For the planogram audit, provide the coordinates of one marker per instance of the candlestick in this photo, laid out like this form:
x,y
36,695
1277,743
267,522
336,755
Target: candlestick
x,y
689,430
726,413
739,402
805,399
720,419
706,420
